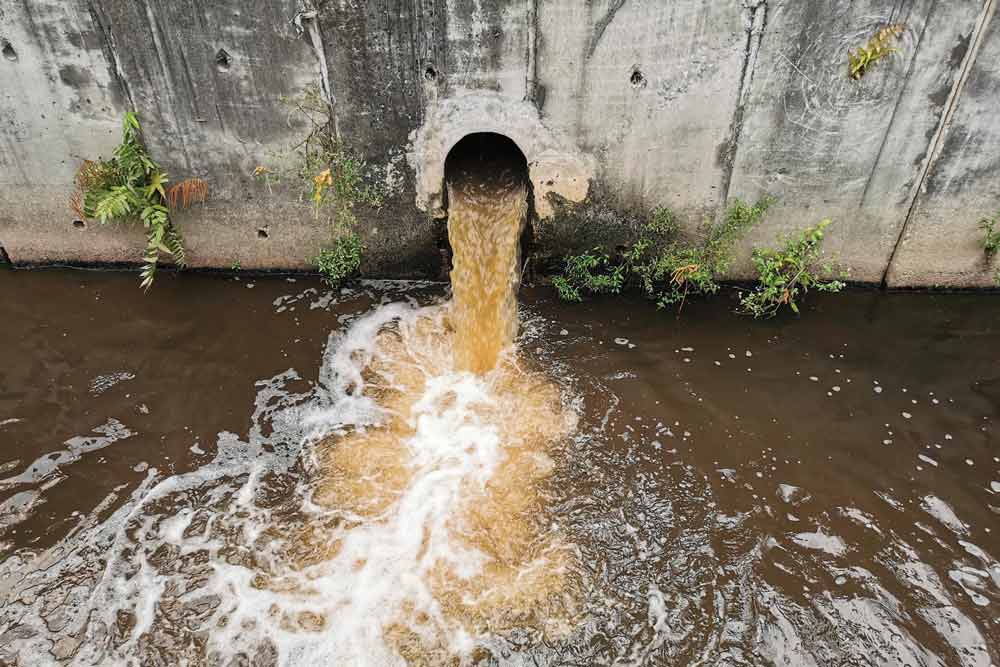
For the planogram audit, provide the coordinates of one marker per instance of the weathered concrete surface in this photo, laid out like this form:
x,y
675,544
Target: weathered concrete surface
x,y
942,244
642,102
830,147
59,103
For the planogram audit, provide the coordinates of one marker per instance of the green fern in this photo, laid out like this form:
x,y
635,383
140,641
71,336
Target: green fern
x,y
131,187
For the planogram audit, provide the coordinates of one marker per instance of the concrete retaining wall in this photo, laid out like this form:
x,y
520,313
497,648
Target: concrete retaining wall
x,y
685,103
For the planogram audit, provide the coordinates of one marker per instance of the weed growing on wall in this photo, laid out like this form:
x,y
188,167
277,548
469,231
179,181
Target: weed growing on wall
x,y
593,272
331,176
680,270
787,273
991,241
877,48
341,259
667,269
991,235
131,187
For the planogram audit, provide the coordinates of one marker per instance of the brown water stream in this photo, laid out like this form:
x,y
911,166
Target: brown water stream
x,y
262,471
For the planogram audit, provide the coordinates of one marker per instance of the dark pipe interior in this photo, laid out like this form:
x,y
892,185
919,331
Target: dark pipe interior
x,y
485,156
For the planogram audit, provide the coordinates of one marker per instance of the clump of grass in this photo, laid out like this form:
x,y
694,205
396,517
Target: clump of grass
x,y
131,187
341,259
877,48
787,273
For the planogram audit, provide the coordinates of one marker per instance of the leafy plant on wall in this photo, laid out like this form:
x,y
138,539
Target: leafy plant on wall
x,y
877,48
132,188
787,273
331,176
991,240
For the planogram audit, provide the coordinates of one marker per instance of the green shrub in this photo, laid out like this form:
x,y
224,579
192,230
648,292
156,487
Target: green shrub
x,y
131,187
341,260
786,274
666,269
592,272
679,270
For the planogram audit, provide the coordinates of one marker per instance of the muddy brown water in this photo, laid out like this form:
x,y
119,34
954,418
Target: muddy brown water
x,y
813,491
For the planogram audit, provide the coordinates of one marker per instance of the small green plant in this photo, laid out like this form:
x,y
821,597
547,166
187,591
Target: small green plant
x,y
235,266
131,187
341,260
786,274
680,270
877,48
665,268
592,272
991,235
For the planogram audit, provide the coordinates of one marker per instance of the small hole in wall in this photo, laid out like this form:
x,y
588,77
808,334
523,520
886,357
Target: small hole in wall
x,y
223,60
8,52
79,224
637,79
430,74
262,233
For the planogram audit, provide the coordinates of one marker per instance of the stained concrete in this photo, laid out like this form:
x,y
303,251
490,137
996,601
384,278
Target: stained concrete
x,y
942,244
632,103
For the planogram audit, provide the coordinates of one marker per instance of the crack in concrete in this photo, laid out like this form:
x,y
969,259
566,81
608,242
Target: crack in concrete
x,y
756,21
111,54
308,14
937,142
603,24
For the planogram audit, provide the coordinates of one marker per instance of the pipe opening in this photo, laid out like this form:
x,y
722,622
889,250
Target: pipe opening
x,y
487,158
484,166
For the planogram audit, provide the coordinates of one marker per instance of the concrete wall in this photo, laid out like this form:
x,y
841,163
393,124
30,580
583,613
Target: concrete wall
x,y
629,104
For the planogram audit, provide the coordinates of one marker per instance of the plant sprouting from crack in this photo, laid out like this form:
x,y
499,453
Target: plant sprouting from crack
x,y
331,175
991,241
131,187
341,259
877,48
787,273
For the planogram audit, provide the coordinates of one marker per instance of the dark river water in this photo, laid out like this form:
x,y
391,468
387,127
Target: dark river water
x,y
814,491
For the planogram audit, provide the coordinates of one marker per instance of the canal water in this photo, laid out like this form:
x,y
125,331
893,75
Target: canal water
x,y
258,471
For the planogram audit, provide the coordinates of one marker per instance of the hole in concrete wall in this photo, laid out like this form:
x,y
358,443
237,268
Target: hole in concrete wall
x,y
637,79
79,224
223,60
262,233
4,257
8,51
430,73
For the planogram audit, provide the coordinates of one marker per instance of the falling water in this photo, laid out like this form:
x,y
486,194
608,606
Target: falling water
x,y
487,195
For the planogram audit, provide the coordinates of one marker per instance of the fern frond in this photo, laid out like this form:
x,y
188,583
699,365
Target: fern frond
x,y
154,217
877,48
187,192
76,204
118,202
175,246
148,273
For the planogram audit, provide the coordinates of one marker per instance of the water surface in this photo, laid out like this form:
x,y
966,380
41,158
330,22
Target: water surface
x,y
822,490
